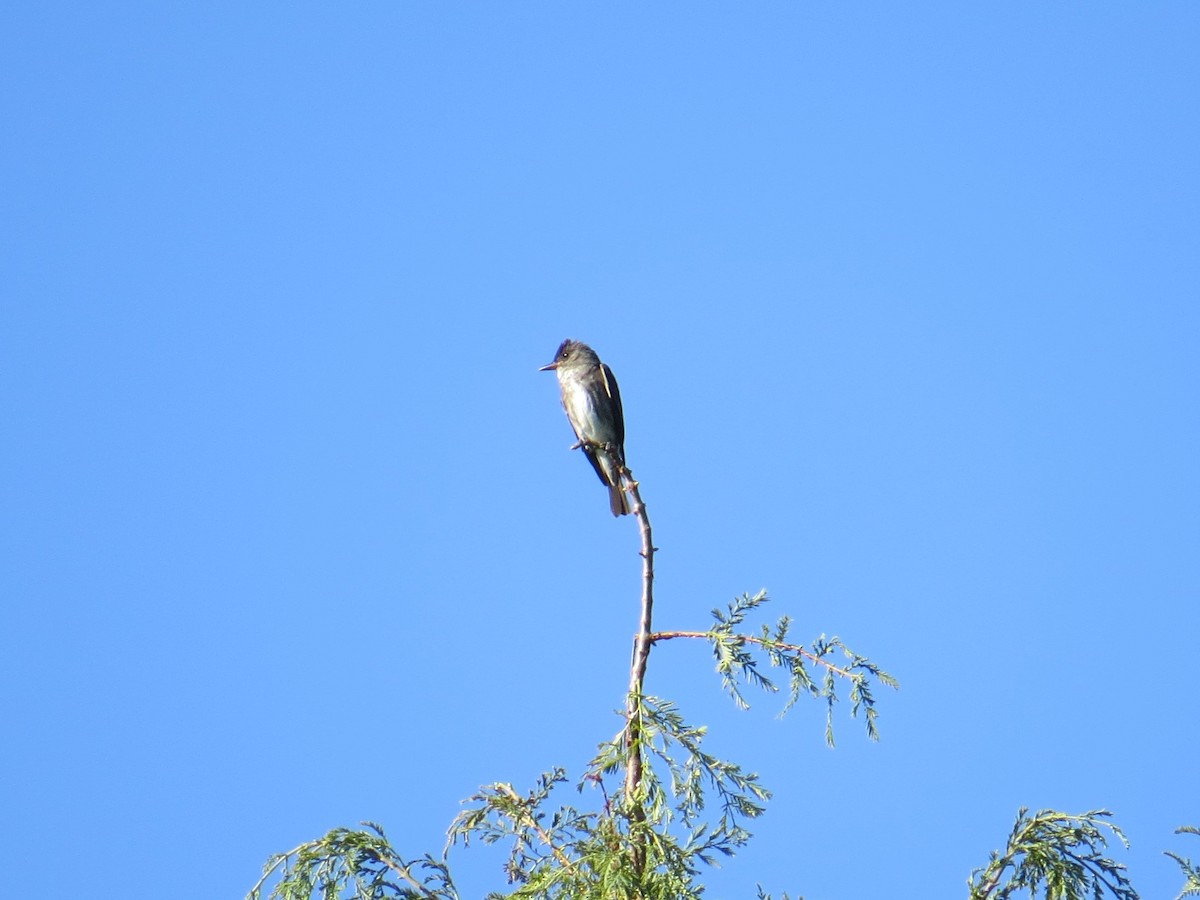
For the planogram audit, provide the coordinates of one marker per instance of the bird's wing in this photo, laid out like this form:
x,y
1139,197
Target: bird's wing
x,y
610,385
595,461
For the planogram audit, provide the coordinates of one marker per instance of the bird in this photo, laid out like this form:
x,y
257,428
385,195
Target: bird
x,y
593,403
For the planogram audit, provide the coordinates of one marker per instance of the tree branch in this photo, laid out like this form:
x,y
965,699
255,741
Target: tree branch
x,y
762,642
637,671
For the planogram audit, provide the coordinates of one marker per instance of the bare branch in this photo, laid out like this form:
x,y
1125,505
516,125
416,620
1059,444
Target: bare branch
x,y
637,669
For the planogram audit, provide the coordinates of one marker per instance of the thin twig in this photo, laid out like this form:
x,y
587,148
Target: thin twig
x,y
762,642
403,872
270,869
562,858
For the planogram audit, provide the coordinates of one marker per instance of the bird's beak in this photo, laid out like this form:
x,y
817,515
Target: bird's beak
x,y
549,368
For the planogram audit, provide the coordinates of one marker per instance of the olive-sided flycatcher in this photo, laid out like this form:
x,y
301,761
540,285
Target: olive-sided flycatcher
x,y
593,404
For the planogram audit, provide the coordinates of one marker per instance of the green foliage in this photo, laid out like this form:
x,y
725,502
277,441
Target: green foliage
x,y
1191,872
362,862
564,853
1059,854
734,653
569,853
666,739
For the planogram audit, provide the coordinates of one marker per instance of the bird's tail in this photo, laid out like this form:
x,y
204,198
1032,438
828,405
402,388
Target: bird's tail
x,y
618,499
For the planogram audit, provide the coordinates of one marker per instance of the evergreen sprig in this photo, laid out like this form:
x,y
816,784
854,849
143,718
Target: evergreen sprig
x,y
545,849
588,855
569,853
1059,854
1191,871
361,862
737,663
691,773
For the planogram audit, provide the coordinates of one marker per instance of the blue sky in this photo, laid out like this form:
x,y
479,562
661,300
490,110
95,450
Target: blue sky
x,y
904,304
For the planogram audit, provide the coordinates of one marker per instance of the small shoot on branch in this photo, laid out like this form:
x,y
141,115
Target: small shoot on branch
x,y
738,657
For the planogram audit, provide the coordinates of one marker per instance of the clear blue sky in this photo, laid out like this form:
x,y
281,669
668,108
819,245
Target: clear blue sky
x,y
904,301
